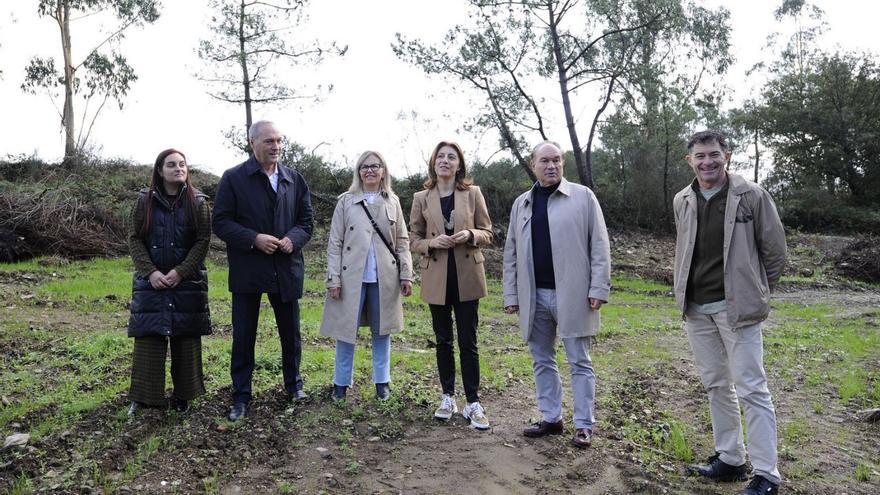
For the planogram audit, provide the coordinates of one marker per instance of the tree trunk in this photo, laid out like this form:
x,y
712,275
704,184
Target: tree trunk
x,y
62,15
585,172
757,156
667,203
245,77
507,136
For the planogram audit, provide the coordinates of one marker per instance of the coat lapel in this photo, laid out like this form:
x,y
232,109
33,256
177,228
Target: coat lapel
x,y
435,212
461,204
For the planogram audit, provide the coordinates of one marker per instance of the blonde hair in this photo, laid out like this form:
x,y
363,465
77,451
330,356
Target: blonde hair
x,y
357,185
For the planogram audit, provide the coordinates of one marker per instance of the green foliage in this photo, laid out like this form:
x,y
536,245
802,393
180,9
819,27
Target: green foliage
x,y
863,472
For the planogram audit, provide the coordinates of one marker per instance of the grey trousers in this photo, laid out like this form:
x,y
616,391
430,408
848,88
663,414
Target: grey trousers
x,y
731,364
542,345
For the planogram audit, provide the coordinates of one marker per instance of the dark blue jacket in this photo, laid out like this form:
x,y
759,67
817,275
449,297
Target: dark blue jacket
x,y
183,310
246,206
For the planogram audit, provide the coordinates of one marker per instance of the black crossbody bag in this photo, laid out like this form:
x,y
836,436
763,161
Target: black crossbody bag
x,y
382,236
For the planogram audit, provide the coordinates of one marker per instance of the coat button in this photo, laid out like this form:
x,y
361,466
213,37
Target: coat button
x,y
393,262
344,268
433,233
349,247
435,259
351,228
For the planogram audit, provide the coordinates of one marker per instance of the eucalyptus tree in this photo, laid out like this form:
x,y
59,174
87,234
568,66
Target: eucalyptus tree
x,y
251,54
97,76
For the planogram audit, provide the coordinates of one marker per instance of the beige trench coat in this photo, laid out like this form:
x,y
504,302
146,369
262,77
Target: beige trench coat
x,y
581,259
350,236
426,223
754,249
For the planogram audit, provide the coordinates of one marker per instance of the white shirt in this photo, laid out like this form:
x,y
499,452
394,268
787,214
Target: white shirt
x,y
273,179
371,271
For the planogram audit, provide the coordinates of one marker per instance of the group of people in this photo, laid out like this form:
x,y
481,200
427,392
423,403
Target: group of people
x,y
730,252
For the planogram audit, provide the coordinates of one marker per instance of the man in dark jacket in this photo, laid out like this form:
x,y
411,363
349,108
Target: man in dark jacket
x,y
263,212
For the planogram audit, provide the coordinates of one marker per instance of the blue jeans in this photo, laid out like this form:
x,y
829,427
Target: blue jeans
x,y
343,371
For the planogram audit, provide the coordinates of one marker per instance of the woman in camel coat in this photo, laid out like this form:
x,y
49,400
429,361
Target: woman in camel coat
x,y
449,223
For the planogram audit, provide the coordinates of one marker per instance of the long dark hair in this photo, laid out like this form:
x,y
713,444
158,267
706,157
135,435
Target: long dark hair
x,y
156,181
462,182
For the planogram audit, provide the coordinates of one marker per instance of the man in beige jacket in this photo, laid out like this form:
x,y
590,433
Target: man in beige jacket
x,y
557,274
729,255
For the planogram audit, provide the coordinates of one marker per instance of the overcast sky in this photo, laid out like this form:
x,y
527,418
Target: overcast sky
x,y
378,102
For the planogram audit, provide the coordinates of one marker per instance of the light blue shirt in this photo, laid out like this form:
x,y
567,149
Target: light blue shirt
x,y
371,272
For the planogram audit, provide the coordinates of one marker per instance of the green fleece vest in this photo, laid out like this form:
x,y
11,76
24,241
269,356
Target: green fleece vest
x,y
706,279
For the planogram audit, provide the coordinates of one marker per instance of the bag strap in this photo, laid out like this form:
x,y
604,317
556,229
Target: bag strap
x,y
381,235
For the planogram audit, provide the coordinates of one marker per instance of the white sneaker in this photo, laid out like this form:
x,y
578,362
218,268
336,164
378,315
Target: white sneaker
x,y
447,407
474,413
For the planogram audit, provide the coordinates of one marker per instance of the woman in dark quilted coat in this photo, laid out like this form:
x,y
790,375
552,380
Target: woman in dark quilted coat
x,y
168,240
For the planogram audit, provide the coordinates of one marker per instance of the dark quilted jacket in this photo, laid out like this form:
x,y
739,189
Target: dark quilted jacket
x,y
183,310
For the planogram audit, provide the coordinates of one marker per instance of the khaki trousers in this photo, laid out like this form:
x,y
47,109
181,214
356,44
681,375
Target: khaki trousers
x,y
731,365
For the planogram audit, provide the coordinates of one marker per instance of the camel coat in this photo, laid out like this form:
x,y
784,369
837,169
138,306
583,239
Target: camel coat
x,y
350,236
426,223
581,259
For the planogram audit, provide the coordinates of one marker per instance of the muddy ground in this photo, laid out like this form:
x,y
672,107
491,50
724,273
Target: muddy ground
x,y
308,447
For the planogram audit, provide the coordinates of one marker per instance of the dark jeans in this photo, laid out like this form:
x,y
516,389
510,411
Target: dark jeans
x,y
466,323
245,315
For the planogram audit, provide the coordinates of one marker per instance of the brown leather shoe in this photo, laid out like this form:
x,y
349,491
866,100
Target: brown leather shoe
x,y
543,429
583,438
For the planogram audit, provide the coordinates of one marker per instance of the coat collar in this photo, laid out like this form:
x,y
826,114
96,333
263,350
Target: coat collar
x,y
359,196
737,185
252,166
564,188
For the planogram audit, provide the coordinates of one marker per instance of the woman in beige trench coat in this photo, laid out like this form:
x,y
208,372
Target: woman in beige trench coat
x,y
366,274
450,223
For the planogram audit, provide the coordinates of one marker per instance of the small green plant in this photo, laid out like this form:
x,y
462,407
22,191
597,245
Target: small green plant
x,y
796,432
22,486
852,384
818,407
211,485
285,487
677,443
863,472
352,468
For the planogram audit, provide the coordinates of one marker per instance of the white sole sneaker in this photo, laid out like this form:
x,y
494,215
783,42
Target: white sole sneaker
x,y
445,415
474,424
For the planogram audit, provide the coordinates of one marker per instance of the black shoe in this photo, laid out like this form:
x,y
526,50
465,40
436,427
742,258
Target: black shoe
x,y
239,410
760,486
383,391
134,408
179,405
339,392
543,429
718,470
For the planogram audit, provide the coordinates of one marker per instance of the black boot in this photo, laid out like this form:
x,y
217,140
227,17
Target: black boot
x,y
339,392
383,391
179,405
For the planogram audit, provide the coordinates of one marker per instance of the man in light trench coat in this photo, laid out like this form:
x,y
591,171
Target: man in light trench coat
x,y
557,275
729,254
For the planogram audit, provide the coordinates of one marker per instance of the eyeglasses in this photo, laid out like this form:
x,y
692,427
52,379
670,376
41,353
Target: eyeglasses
x,y
370,168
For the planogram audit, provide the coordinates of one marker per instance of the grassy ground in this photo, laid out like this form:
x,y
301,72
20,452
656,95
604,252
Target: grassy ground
x,y
65,361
